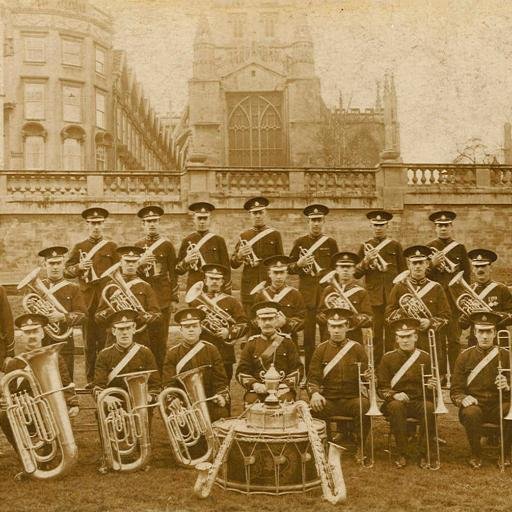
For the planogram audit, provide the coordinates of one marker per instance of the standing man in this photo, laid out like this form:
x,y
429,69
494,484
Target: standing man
x,y
157,267
448,258
292,310
476,384
344,264
311,256
381,260
87,261
6,329
222,336
202,247
255,244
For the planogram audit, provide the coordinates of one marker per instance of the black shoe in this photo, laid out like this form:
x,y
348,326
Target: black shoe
x,y
400,462
475,462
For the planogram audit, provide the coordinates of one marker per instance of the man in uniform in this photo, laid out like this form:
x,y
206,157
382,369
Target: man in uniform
x,y
292,310
449,257
311,256
6,329
380,261
222,336
192,352
157,267
428,297
333,375
345,265
262,350
202,247
69,296
400,385
87,261
143,292
496,296
476,384
255,244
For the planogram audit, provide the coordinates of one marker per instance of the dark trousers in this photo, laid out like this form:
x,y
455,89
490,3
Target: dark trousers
x,y
398,412
6,428
450,341
382,339
158,333
94,340
309,334
216,412
67,352
474,416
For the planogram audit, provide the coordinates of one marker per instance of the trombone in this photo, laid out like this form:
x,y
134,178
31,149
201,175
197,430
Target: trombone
x,y
503,337
378,263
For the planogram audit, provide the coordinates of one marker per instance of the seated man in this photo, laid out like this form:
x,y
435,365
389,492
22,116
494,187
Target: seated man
x,y
32,335
476,383
192,352
400,385
262,350
333,377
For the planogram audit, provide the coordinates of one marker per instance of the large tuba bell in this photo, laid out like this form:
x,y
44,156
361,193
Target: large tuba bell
x,y
124,425
216,318
39,418
187,420
42,301
466,299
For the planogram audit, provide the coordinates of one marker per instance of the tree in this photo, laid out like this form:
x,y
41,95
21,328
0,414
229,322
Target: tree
x,y
474,151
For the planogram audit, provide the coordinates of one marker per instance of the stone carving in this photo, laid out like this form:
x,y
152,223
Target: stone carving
x,y
46,186
142,184
441,175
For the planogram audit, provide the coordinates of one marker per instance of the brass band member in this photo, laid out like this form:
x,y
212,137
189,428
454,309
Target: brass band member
x,y
201,247
69,296
427,294
333,377
87,261
192,352
262,350
311,257
142,291
225,337
381,260
345,265
399,384
255,244
157,267
476,382
449,257
292,312
32,334
6,329
496,295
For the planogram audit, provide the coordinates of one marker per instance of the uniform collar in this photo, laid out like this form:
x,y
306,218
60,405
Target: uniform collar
x,y
94,240
418,282
53,282
276,290
484,350
406,353
338,344
153,237
203,232
123,350
445,241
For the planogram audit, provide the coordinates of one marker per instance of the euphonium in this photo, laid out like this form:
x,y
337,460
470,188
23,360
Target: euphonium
x,y
312,269
467,300
251,259
43,302
200,262
187,419
124,427
39,419
378,263
447,265
336,299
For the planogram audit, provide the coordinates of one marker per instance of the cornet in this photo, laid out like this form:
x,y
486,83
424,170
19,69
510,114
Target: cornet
x,y
198,263
313,269
446,265
89,274
150,269
251,259
378,263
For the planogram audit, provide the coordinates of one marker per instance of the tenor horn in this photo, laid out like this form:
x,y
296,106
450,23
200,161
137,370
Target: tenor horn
x,y
467,301
39,418
337,299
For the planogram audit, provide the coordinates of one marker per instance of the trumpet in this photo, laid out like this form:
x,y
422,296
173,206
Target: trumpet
x,y
200,261
467,301
446,265
378,263
39,418
503,336
150,269
313,269
43,302
89,274
336,299
251,259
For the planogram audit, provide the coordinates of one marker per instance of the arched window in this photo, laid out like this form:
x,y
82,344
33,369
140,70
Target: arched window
x,y
34,139
72,148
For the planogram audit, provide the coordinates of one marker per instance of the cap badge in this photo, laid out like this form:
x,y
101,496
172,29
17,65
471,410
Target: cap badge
x,y
315,210
54,253
124,319
29,321
443,217
484,318
256,203
189,316
378,217
479,257
203,210
417,253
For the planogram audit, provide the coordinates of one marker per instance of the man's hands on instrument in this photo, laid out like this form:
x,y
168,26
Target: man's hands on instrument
x,y
85,264
223,333
306,260
424,324
280,319
501,382
243,251
73,411
56,316
192,257
431,383
259,388
401,397
437,258
146,259
112,402
469,400
219,400
370,256
317,401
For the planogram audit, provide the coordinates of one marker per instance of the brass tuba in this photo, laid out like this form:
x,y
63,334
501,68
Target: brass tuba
x,y
187,419
124,426
466,299
42,301
39,418
336,299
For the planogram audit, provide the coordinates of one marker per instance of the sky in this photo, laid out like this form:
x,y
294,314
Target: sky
x,y
451,61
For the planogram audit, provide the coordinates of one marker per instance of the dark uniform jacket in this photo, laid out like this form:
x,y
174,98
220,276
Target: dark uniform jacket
x,y
343,380
165,282
269,245
233,308
6,328
359,299
379,284
483,386
213,250
23,385
109,358
286,359
309,285
146,297
103,259
70,297
214,377
410,383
